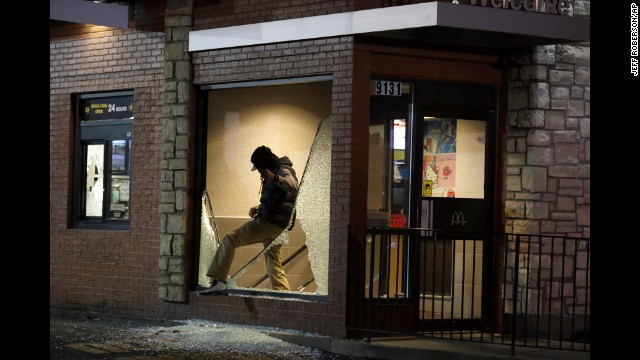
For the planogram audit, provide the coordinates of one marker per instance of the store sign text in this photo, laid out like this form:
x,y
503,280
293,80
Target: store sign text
x,y
110,108
559,7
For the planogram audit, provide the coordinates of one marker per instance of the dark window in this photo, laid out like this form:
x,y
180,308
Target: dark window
x,y
102,177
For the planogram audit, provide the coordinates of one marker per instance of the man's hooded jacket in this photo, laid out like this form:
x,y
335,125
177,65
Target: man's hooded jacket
x,y
278,196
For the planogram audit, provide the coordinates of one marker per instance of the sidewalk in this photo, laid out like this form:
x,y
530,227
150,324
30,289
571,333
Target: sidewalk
x,y
410,348
85,335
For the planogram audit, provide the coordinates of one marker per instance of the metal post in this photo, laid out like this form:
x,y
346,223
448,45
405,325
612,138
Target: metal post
x,y
371,277
515,297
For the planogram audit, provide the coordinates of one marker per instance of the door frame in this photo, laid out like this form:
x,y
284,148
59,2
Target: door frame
x,y
372,61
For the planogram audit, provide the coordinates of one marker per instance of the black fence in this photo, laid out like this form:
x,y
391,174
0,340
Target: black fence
x,y
512,289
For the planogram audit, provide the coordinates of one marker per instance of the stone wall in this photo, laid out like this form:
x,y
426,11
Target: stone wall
x,y
548,187
548,141
175,208
553,275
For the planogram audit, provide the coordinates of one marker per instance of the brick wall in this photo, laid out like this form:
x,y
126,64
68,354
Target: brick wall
x,y
106,270
230,13
147,15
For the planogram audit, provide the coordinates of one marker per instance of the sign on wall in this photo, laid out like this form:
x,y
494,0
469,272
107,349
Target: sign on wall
x,y
387,88
107,108
463,215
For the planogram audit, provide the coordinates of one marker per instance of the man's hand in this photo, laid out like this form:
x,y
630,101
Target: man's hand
x,y
268,175
254,211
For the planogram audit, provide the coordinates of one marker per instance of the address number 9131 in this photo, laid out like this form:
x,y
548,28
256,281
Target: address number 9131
x,y
389,88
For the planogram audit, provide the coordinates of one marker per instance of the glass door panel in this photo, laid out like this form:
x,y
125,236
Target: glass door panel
x,y
388,183
389,153
453,158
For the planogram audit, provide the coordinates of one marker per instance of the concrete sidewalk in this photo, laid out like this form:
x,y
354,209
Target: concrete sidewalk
x,y
89,335
410,348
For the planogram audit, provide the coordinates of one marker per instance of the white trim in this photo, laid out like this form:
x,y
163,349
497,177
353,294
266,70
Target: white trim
x,y
270,82
476,21
349,23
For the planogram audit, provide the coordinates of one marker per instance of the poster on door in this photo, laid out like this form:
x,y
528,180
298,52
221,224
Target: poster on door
x,y
439,157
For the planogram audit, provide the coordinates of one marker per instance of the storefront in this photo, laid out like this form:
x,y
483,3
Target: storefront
x,y
430,115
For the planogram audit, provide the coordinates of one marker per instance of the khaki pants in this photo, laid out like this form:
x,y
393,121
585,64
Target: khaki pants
x,y
252,232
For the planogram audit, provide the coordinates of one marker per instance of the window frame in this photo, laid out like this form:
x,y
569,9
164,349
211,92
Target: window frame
x,y
102,131
203,153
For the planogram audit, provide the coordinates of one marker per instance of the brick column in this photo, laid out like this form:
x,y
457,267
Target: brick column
x,y
178,111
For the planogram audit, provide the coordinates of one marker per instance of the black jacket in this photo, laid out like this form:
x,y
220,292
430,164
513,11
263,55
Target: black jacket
x,y
278,197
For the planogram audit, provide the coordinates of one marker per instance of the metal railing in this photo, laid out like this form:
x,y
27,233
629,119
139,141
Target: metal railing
x,y
512,289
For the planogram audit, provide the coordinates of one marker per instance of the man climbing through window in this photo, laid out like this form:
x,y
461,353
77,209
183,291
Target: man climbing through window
x,y
278,193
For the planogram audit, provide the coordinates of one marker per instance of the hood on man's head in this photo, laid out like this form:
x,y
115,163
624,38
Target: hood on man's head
x,y
261,158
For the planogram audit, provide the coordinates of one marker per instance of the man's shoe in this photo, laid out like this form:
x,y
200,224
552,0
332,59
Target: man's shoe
x,y
217,288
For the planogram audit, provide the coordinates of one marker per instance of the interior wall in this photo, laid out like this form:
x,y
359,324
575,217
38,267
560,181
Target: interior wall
x,y
282,117
470,159
376,190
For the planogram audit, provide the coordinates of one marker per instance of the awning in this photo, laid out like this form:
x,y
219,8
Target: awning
x,y
90,12
433,22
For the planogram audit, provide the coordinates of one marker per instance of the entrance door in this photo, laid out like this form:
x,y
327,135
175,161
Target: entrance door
x,y
386,278
454,128
389,153
430,165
